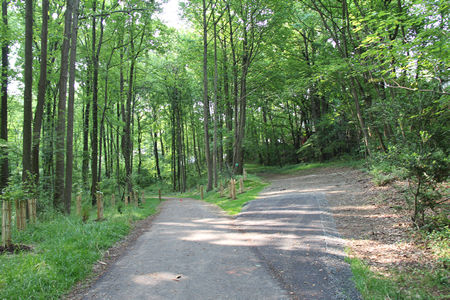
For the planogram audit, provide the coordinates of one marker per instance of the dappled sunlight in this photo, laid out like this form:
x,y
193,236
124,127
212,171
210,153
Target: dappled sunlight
x,y
153,279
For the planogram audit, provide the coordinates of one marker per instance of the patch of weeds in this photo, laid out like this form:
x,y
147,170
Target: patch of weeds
x,y
65,249
371,285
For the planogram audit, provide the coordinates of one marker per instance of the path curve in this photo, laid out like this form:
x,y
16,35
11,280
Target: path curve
x,y
283,245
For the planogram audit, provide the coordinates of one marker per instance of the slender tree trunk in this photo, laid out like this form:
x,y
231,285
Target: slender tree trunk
x,y
70,110
94,142
196,156
27,98
216,113
4,100
39,111
61,125
139,144
206,100
161,143
155,151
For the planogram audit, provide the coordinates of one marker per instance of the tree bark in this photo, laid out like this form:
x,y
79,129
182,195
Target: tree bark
x,y
60,127
39,111
206,100
155,151
4,173
70,111
27,98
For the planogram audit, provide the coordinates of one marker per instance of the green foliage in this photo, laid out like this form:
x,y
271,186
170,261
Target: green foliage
x,y
425,168
252,187
64,250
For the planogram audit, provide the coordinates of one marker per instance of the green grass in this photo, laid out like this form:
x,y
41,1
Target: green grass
x,y
252,187
288,169
64,251
408,283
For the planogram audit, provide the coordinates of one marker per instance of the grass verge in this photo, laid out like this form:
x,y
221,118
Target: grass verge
x,y
252,187
415,282
64,251
288,169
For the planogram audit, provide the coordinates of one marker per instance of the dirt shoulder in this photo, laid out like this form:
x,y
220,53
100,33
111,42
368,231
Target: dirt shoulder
x,y
371,219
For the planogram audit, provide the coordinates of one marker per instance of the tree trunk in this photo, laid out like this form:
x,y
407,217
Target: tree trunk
x,y
4,173
70,110
27,98
39,111
155,151
216,113
94,142
206,100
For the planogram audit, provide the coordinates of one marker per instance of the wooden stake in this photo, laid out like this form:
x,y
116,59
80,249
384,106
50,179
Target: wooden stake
x,y
6,223
126,200
78,205
18,213
34,210
136,198
30,210
142,198
159,195
23,213
201,192
233,189
99,206
113,200
241,185
245,174
221,189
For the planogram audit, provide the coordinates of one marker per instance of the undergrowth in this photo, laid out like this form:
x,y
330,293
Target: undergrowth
x,y
289,169
64,251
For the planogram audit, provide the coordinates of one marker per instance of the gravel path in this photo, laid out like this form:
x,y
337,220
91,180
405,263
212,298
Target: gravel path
x,y
283,245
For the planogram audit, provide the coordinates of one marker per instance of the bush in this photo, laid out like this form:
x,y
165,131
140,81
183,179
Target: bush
x,y
425,169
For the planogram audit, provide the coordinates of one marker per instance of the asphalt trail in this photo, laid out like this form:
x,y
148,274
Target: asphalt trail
x,y
293,232
283,245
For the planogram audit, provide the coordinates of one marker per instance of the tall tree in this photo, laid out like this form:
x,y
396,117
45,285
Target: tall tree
x,y
27,98
70,110
61,123
42,87
4,172
205,97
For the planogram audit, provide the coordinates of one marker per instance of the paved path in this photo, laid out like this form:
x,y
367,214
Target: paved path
x,y
283,245
191,251
291,230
